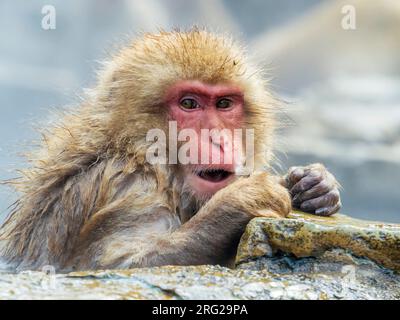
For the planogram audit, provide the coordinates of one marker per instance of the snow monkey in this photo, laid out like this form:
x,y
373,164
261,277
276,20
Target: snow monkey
x,y
91,198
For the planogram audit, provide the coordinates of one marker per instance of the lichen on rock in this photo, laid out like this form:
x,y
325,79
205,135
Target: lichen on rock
x,y
306,235
302,257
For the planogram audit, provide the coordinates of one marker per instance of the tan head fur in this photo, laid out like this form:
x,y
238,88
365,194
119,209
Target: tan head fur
x,y
114,118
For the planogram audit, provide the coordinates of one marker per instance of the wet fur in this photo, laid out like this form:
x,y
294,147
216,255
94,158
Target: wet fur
x,y
89,196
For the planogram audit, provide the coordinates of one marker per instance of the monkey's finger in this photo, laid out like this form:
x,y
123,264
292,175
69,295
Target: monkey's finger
x,y
315,167
327,211
332,198
294,175
316,191
306,183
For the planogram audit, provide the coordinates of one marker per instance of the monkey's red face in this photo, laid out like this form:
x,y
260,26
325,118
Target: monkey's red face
x,y
216,109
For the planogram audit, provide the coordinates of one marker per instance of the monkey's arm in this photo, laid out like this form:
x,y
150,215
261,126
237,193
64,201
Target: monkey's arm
x,y
210,237
313,189
213,234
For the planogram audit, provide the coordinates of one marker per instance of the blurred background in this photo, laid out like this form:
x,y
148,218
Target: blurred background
x,y
342,86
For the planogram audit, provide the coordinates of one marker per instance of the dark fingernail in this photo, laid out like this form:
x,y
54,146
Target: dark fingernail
x,y
321,211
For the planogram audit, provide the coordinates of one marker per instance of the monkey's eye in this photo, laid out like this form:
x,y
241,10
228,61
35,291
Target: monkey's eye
x,y
189,104
224,103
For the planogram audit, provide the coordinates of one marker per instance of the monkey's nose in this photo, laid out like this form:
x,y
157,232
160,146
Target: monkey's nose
x,y
219,138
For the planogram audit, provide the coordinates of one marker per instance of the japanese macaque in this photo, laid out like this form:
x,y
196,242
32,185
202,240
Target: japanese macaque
x,y
92,200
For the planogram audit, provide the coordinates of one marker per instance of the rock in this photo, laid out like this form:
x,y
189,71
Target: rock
x,y
303,257
306,235
334,257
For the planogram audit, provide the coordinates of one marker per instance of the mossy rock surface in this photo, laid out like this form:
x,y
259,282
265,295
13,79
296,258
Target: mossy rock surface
x,y
203,282
305,235
303,257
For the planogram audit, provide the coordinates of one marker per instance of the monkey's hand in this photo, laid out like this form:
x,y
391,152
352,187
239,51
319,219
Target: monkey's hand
x,y
313,189
257,195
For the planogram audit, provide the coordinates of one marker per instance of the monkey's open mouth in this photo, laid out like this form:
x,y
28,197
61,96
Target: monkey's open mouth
x,y
214,175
